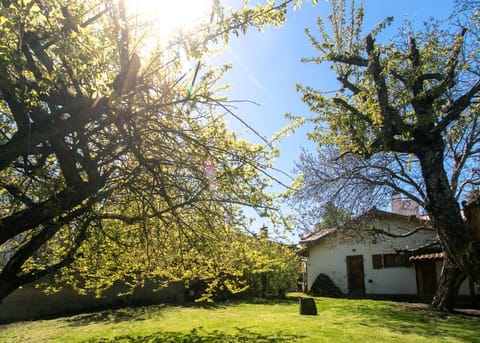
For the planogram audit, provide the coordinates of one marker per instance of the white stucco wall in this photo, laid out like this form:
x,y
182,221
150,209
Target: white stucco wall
x,y
332,260
330,257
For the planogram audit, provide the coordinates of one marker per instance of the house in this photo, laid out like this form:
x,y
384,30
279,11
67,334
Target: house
x,y
372,256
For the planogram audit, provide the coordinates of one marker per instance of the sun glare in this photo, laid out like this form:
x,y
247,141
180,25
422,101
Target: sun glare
x,y
171,15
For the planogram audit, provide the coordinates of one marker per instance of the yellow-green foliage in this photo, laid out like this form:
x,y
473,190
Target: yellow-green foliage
x,y
372,110
167,182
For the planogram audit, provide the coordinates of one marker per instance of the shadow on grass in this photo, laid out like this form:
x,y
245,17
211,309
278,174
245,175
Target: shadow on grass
x,y
137,313
198,335
289,300
274,300
114,315
406,319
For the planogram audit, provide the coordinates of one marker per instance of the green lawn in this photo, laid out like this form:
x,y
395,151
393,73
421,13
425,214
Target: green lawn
x,y
338,320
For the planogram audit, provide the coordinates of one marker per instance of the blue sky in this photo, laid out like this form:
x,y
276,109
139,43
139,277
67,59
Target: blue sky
x,y
266,68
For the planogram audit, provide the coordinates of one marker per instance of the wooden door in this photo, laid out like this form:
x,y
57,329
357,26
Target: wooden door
x,y
426,277
355,275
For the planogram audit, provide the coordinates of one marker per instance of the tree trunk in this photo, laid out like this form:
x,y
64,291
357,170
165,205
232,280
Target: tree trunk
x,y
451,278
457,240
462,251
7,286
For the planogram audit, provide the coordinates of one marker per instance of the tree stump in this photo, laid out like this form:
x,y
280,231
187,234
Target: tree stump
x,y
307,306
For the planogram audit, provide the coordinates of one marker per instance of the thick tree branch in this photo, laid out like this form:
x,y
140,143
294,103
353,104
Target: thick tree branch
x,y
348,107
17,193
67,160
375,69
458,106
33,42
348,85
48,210
81,110
403,235
68,258
23,253
348,59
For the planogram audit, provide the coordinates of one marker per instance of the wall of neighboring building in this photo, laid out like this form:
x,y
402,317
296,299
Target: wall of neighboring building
x,y
332,260
29,302
330,257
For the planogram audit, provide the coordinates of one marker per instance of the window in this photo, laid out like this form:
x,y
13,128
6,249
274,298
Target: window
x,y
395,260
377,261
390,260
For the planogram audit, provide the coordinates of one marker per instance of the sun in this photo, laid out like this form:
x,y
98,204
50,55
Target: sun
x,y
172,15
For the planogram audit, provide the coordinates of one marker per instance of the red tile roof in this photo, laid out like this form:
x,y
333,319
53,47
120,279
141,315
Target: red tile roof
x,y
367,216
317,235
431,256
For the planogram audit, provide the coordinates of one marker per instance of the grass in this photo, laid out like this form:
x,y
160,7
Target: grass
x,y
338,320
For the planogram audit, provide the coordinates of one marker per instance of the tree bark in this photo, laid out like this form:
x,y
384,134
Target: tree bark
x,y
8,287
12,275
451,278
456,238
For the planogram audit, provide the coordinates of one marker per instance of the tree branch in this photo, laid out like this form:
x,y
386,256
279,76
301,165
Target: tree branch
x,y
405,235
68,258
82,110
348,59
389,129
47,210
457,107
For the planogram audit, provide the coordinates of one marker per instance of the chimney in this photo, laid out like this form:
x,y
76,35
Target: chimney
x,y
402,205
